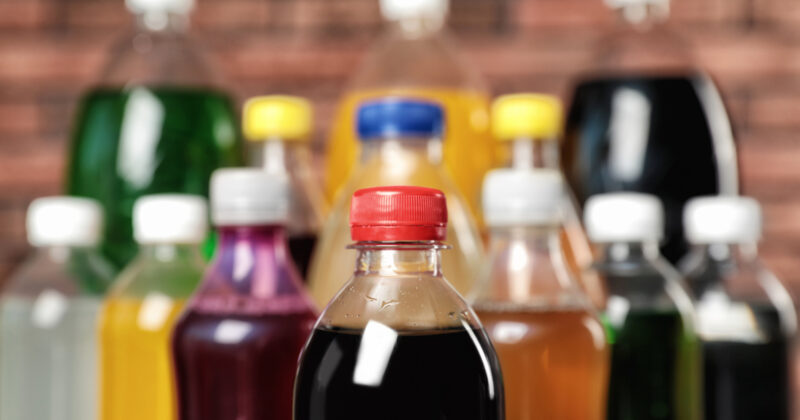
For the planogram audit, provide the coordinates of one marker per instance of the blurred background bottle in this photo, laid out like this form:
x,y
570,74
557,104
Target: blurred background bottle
x,y
746,318
400,145
139,312
529,127
416,57
655,355
157,122
48,314
645,118
550,341
279,130
397,341
236,346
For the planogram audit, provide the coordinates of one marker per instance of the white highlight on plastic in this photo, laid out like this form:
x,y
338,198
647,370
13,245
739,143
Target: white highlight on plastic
x,y
629,131
374,353
154,312
231,331
48,309
139,135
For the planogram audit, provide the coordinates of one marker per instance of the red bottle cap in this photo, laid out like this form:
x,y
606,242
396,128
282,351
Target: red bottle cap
x,y
399,213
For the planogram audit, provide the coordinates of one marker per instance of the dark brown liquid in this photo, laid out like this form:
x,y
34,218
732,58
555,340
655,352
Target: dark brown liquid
x,y
446,374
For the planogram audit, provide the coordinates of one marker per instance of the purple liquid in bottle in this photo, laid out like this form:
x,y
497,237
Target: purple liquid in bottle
x,y
236,346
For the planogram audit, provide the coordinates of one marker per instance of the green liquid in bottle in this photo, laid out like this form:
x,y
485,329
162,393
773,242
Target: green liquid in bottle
x,y
654,367
145,140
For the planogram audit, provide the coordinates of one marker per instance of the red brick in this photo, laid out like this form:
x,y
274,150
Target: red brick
x,y
27,14
769,163
783,14
18,118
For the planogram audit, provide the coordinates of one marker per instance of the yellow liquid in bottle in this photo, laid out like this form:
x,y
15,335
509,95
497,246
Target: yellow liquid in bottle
x,y
554,362
468,148
136,363
399,162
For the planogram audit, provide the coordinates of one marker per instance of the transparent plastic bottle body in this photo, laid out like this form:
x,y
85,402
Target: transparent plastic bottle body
x,y
524,154
551,343
416,58
746,321
645,118
308,206
157,122
396,162
655,354
48,315
398,340
236,346
136,324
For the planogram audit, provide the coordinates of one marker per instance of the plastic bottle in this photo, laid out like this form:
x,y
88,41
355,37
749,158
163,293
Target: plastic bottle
x,y
746,318
48,312
416,57
398,342
401,145
550,341
528,127
279,130
646,118
141,309
157,122
236,345
655,359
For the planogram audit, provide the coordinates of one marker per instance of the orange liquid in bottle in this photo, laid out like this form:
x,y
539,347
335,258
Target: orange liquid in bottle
x,y
554,362
468,148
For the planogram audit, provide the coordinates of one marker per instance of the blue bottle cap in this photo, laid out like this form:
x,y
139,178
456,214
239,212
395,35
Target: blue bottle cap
x,y
399,117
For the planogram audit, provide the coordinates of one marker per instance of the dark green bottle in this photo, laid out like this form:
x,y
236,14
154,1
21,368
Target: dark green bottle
x,y
156,123
655,355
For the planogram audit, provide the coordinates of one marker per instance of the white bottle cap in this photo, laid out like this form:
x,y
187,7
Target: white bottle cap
x,y
249,196
181,7
64,221
513,197
624,217
722,219
170,219
394,10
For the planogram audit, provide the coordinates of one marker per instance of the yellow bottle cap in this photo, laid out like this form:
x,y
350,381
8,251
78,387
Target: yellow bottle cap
x,y
527,115
277,116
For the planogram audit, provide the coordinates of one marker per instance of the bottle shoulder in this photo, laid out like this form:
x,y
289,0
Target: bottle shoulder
x,y
432,61
407,302
74,274
168,58
143,277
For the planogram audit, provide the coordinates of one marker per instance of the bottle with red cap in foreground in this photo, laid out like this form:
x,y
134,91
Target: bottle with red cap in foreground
x,y
397,341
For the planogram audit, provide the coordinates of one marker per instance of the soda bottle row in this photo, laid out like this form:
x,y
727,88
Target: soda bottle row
x,y
181,340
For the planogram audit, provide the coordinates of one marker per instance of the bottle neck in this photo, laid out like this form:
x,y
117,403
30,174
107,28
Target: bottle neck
x,y
62,253
402,150
528,267
735,254
252,262
417,27
643,16
391,259
162,22
170,253
626,252
527,153
280,156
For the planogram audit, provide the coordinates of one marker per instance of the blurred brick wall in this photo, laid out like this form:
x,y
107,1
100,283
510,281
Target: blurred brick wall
x,y
50,50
